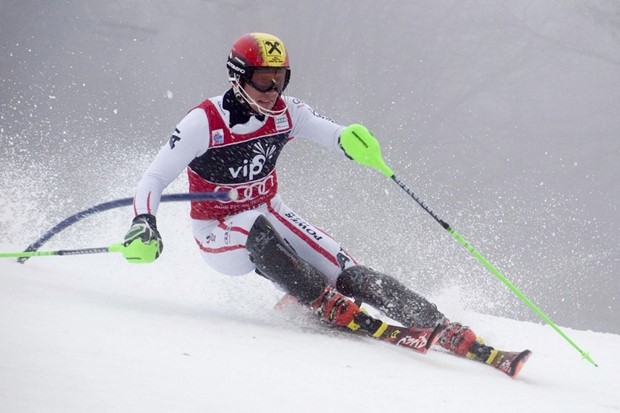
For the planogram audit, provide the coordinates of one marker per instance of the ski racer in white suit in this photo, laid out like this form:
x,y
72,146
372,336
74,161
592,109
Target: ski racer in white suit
x,y
233,142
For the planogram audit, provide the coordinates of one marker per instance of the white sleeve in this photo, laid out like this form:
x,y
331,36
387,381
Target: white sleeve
x,y
189,140
310,125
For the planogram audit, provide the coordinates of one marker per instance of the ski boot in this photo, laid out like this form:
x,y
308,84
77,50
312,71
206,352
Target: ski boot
x,y
462,341
457,338
336,309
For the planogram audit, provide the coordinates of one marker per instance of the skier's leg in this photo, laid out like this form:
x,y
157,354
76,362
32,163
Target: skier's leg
x,y
222,242
388,295
312,244
277,261
248,241
402,304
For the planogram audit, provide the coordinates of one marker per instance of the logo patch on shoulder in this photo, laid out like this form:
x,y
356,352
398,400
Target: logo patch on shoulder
x,y
281,123
217,137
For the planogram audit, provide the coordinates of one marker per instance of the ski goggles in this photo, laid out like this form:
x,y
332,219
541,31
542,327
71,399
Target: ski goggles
x,y
267,79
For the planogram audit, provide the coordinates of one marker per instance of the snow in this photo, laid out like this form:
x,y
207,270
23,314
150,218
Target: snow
x,y
94,333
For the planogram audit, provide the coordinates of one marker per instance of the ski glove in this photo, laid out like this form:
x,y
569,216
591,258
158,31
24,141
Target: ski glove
x,y
143,239
360,145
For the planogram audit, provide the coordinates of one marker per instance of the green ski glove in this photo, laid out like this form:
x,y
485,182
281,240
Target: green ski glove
x,y
142,242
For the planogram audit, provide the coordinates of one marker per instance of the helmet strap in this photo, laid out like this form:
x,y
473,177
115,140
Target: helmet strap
x,y
244,97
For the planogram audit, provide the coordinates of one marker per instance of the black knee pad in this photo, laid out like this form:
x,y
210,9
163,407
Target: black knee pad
x,y
276,260
388,295
352,280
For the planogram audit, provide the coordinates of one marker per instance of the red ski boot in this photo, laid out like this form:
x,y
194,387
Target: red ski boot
x,y
336,308
457,338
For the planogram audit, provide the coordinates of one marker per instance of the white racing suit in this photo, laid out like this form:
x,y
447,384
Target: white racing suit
x,y
220,158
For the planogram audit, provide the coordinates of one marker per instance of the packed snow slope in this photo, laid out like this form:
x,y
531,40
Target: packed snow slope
x,y
501,115
96,334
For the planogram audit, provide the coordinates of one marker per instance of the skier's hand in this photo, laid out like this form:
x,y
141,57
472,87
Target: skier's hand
x,y
143,239
360,145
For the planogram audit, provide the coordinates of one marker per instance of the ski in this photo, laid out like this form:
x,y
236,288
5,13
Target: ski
x,y
421,340
416,339
509,362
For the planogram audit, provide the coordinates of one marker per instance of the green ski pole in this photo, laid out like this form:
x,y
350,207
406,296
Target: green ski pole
x,y
359,144
136,252
28,254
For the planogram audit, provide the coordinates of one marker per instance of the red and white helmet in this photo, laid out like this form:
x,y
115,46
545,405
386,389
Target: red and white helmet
x,y
253,52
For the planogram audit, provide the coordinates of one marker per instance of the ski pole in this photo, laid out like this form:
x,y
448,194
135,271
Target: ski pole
x,y
136,252
197,196
28,254
364,148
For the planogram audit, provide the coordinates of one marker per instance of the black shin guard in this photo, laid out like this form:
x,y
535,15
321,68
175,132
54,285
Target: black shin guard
x,y
389,296
277,261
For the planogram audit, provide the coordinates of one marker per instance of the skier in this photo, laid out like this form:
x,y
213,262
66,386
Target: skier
x,y
232,142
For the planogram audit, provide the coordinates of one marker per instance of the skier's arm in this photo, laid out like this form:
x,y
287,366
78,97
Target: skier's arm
x,y
309,124
186,143
324,131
